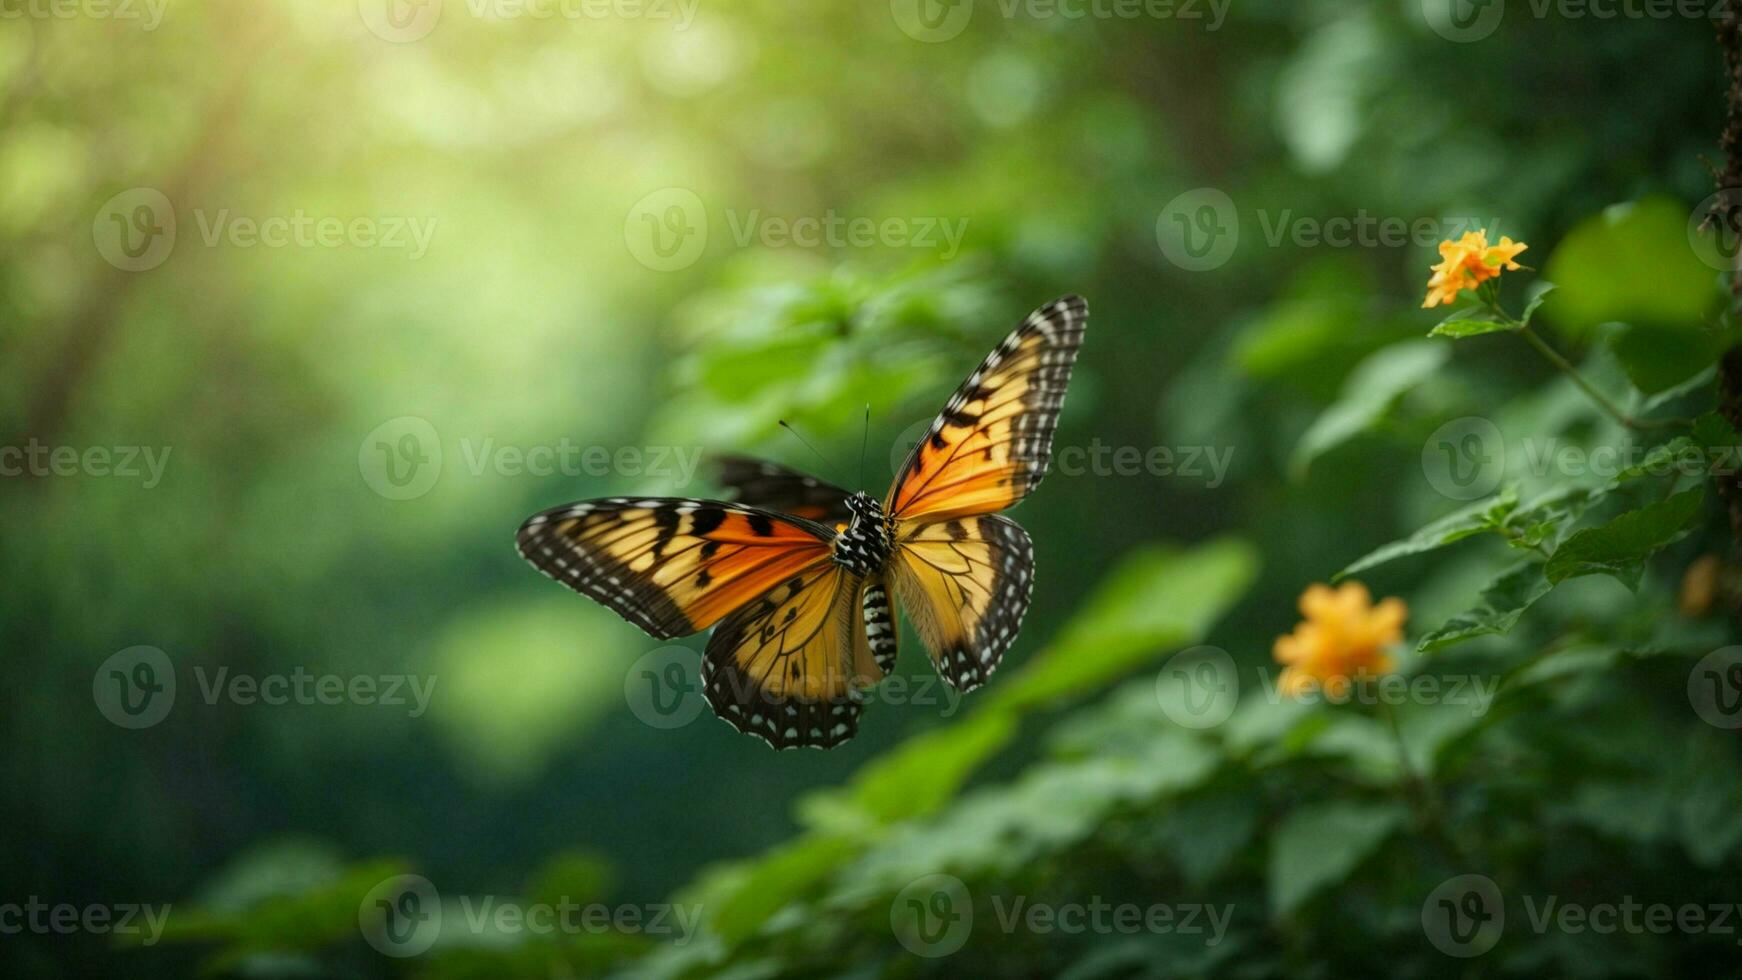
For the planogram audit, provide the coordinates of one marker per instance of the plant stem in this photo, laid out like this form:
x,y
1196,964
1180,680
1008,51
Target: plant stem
x,y
1422,796
1601,399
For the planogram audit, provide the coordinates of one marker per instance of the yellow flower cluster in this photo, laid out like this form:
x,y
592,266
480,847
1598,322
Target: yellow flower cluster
x,y
1467,263
1344,635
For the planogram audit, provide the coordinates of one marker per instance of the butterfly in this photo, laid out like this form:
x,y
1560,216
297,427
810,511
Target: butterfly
x,y
799,578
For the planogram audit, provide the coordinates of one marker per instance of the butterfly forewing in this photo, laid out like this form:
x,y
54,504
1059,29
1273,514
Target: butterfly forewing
x,y
770,486
670,566
992,443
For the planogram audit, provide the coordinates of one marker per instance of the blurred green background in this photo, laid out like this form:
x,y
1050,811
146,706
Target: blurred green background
x,y
496,234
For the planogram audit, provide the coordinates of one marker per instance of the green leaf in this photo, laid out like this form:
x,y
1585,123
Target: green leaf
x,y
1620,547
1499,606
1659,360
1157,599
924,772
1482,515
1536,300
783,875
1368,394
1319,846
1632,264
1470,323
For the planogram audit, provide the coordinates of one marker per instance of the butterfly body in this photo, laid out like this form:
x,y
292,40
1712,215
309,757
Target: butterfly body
x,y
800,580
864,545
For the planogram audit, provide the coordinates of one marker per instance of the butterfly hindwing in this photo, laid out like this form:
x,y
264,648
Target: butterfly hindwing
x,y
781,668
770,486
964,584
992,443
671,566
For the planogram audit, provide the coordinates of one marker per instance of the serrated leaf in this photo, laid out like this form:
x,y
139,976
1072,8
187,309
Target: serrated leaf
x,y
1536,301
1319,846
1368,394
1497,610
1620,547
1483,515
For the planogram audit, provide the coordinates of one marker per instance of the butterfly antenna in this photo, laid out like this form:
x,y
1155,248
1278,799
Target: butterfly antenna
x,y
795,434
864,439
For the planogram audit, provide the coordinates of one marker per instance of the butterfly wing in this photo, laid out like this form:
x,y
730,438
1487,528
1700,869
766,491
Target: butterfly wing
x,y
782,669
770,486
671,566
965,584
992,443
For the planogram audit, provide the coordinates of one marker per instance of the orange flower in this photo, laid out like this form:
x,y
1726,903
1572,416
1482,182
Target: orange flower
x,y
1469,262
1344,635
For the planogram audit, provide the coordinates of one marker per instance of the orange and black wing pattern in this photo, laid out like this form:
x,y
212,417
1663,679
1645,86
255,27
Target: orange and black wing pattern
x,y
782,668
770,486
992,443
965,584
671,566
